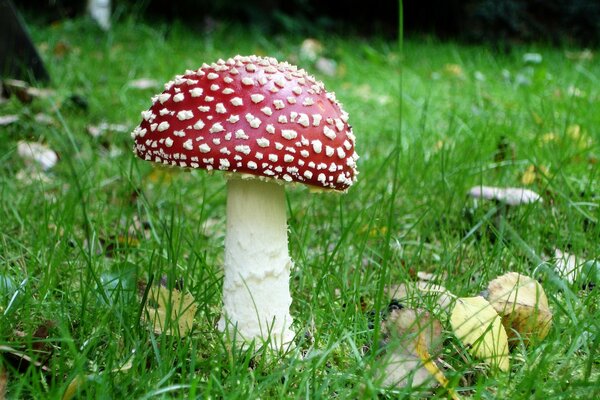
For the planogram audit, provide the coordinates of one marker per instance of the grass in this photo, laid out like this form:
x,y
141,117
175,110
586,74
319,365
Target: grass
x,y
79,242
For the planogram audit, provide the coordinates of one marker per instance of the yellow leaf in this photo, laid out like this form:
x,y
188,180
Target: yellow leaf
x,y
432,367
170,312
522,304
453,70
528,176
478,326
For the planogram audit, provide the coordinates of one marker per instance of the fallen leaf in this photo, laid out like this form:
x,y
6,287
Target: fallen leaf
x,y
416,292
407,334
3,382
522,304
44,119
30,176
311,49
23,91
170,311
37,154
479,327
532,58
454,70
144,83
326,66
512,196
100,129
584,55
8,119
566,265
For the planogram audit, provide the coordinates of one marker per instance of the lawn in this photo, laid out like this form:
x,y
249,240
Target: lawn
x,y
80,241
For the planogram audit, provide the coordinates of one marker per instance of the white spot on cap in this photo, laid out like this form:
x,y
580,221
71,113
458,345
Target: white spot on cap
x,y
282,119
289,134
216,127
164,111
208,99
178,97
329,151
304,153
164,97
322,178
278,146
163,126
188,144
263,142
247,81
257,98
224,163
330,133
185,115
168,142
240,134
270,128
228,90
340,152
242,148
280,82
308,101
204,148
273,157
291,99
212,76
308,174
297,90
267,111
339,124
258,155
233,119
148,115
317,119
214,87
253,121
179,133
220,108
196,92
317,146
236,101
227,79
303,120
278,104
204,108
252,165
250,67
199,124
288,158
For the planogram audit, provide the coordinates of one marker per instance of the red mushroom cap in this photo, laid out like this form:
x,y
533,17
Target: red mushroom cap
x,y
251,115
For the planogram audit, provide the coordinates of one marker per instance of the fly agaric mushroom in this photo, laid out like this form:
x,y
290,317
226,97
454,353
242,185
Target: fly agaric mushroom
x,y
265,124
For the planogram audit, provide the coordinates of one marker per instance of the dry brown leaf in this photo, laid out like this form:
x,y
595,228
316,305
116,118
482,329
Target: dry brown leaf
x,y
170,311
479,327
522,304
3,382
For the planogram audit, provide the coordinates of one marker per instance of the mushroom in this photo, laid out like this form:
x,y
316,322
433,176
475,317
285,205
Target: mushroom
x,y
265,124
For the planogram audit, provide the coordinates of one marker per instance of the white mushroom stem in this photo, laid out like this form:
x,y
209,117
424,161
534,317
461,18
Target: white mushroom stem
x,y
256,293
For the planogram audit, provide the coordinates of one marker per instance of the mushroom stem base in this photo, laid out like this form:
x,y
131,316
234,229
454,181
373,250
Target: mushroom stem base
x,y
256,295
